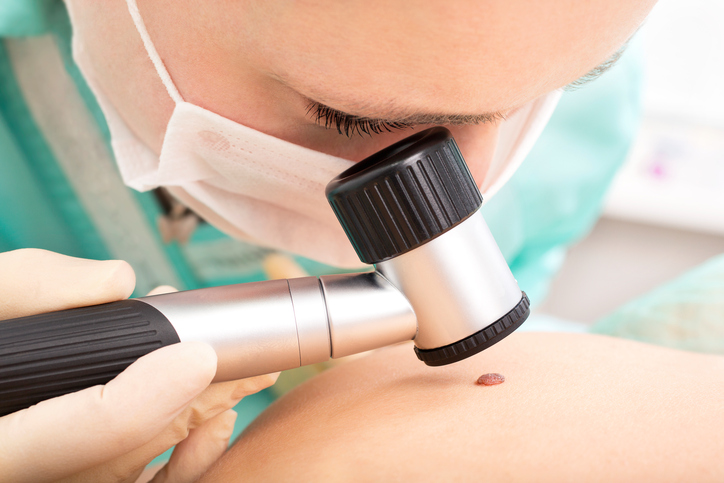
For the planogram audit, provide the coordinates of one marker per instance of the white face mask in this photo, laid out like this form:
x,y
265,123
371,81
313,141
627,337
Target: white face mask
x,y
260,188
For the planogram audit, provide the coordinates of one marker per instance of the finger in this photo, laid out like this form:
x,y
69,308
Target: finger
x,y
214,400
279,266
221,396
65,435
162,289
194,455
37,281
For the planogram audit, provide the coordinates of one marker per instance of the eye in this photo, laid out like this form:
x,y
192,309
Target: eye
x,y
350,125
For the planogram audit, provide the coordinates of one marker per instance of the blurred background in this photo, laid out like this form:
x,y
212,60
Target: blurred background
x,y
664,213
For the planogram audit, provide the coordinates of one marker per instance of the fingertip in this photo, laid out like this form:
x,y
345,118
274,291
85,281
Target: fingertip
x,y
252,385
229,418
204,352
162,289
272,378
266,380
120,279
198,359
226,422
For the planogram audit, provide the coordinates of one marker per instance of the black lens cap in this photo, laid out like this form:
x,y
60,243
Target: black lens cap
x,y
404,195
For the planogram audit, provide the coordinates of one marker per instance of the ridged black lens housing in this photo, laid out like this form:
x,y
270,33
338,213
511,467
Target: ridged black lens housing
x,y
404,196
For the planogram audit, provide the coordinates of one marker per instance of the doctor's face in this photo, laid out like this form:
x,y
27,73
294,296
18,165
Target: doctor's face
x,y
350,77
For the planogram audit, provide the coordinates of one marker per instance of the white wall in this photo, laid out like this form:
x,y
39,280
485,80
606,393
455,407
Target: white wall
x,y
665,212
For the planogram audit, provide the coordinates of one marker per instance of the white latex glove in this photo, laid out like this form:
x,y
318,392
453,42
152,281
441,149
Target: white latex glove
x,y
109,433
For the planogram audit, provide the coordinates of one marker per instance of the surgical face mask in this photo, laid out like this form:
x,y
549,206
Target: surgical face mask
x,y
259,188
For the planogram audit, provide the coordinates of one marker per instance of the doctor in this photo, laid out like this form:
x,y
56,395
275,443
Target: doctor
x,y
245,111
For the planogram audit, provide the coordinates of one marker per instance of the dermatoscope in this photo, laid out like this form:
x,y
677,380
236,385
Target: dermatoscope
x,y
412,210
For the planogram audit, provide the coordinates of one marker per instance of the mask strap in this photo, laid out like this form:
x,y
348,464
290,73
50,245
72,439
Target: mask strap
x,y
151,51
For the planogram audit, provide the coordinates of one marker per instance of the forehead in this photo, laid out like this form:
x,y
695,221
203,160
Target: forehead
x,y
469,56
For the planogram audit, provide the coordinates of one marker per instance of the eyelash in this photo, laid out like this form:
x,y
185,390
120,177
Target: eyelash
x,y
350,125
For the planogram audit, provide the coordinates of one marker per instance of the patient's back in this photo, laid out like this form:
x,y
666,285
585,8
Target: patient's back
x,y
572,408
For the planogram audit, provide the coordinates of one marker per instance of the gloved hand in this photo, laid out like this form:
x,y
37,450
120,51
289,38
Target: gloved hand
x,y
109,433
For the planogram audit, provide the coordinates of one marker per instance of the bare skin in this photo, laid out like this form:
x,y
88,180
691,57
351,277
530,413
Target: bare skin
x,y
572,408
260,62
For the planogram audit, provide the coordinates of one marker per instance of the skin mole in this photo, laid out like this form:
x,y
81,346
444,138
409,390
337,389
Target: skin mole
x,y
491,379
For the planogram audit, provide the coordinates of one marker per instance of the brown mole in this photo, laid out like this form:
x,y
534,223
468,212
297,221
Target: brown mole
x,y
491,379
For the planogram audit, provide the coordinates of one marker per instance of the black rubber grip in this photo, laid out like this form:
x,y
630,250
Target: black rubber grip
x,y
48,355
479,341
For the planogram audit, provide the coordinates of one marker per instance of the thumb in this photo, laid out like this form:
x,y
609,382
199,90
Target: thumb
x,y
62,436
37,281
